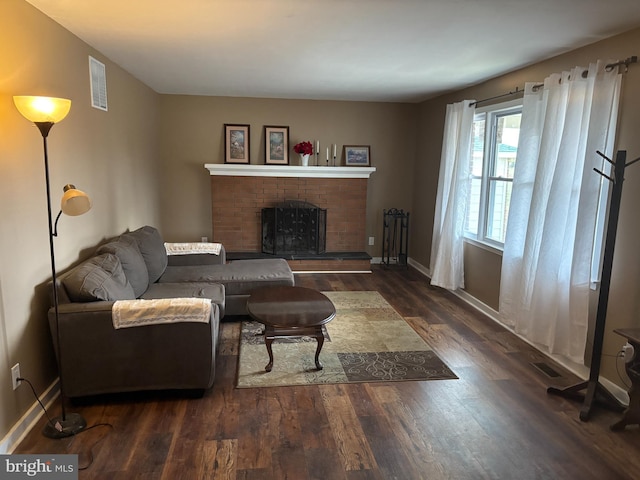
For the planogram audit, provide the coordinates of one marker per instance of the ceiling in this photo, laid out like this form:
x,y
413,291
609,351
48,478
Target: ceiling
x,y
362,50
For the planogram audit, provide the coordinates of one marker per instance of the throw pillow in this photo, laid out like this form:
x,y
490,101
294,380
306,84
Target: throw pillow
x,y
134,266
99,278
152,248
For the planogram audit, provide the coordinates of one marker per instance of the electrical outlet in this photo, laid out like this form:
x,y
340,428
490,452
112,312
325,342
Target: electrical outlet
x,y
372,240
204,239
15,375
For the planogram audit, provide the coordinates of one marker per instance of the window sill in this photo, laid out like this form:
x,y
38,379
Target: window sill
x,y
485,246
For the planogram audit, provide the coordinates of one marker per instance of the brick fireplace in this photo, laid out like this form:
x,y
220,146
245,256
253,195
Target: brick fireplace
x,y
240,192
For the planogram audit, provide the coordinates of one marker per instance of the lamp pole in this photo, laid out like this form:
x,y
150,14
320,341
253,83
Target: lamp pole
x,y
74,423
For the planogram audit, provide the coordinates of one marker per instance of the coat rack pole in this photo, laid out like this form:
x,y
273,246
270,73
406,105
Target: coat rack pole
x,y
596,392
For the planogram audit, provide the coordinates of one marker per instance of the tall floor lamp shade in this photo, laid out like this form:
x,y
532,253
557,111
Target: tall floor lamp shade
x,y
45,112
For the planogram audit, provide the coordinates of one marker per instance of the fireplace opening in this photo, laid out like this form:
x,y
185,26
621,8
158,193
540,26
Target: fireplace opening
x,y
294,227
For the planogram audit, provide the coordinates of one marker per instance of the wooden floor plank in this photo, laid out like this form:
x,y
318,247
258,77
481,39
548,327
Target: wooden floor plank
x,y
407,432
347,431
286,438
314,424
254,436
324,464
218,460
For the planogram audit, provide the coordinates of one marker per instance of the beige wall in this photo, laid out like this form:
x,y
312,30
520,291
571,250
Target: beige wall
x,y
110,155
192,135
482,269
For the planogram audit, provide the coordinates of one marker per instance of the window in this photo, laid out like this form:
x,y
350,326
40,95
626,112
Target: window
x,y
496,131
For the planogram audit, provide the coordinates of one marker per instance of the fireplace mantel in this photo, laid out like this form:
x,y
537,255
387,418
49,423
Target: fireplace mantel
x,y
244,170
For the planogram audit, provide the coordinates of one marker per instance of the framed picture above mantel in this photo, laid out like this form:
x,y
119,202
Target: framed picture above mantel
x,y
276,145
357,155
236,143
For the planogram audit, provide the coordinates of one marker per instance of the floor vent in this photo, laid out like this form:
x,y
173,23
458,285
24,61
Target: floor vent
x,y
546,369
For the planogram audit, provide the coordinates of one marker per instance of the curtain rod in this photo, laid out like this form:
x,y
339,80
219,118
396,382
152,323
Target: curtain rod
x,y
628,61
516,91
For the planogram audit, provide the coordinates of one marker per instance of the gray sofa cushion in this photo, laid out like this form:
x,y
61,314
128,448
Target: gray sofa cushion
x,y
99,278
134,266
238,277
213,291
151,246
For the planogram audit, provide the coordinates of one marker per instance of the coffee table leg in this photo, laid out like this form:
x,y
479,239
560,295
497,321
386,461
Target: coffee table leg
x,y
268,341
320,339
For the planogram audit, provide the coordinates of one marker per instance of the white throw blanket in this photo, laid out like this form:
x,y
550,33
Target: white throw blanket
x,y
195,247
135,313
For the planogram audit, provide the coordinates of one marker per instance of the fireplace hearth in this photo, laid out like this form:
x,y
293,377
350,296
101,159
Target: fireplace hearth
x,y
294,227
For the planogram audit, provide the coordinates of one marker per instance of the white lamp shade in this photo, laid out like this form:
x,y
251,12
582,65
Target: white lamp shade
x,y
74,202
42,109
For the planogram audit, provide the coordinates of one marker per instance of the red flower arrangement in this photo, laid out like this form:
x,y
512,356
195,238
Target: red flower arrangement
x,y
303,148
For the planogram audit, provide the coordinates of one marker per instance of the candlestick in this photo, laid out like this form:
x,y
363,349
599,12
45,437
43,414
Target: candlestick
x,y
317,153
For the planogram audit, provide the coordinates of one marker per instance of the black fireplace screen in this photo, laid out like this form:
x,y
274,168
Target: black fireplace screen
x,y
294,227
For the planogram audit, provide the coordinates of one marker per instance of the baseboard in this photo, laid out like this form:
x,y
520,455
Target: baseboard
x,y
29,419
295,272
577,369
418,266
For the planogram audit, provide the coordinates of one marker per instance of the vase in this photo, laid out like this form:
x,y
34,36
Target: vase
x,y
304,159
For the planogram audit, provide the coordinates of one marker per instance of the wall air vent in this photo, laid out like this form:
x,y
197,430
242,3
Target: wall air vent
x,y
98,77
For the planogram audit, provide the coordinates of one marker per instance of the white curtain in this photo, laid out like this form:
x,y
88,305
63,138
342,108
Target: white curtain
x,y
446,264
549,246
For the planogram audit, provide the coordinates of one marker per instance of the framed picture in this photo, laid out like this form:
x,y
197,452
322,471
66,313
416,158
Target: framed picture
x,y
276,145
236,143
357,155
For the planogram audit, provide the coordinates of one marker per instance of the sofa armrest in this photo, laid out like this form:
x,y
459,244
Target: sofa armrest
x,y
73,308
198,258
96,358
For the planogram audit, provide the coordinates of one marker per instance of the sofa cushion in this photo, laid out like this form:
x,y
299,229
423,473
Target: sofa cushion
x,y
151,246
133,264
99,278
213,291
239,277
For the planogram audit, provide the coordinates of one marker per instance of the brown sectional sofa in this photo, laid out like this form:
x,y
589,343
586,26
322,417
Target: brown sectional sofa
x,y
97,358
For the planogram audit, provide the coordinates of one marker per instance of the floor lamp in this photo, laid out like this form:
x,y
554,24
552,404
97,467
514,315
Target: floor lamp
x,y
45,112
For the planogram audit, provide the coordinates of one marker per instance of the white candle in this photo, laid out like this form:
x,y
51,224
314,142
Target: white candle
x,y
334,150
317,146
327,153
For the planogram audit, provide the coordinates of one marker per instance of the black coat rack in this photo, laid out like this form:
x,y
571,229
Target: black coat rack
x,y
595,391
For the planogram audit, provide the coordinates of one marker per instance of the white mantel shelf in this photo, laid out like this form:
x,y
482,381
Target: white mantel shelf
x,y
244,170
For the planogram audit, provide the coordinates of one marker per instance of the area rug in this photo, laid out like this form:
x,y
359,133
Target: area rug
x,y
367,341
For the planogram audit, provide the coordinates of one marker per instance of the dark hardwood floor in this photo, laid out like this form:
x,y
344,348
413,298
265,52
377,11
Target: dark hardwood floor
x,y
495,422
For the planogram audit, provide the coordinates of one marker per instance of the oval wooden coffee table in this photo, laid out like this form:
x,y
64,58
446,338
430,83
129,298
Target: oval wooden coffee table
x,y
290,312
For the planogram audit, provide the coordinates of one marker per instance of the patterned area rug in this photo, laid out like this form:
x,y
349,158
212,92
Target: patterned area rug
x,y
367,341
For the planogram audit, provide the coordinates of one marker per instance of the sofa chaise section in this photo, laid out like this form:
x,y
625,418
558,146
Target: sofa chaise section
x,y
239,278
